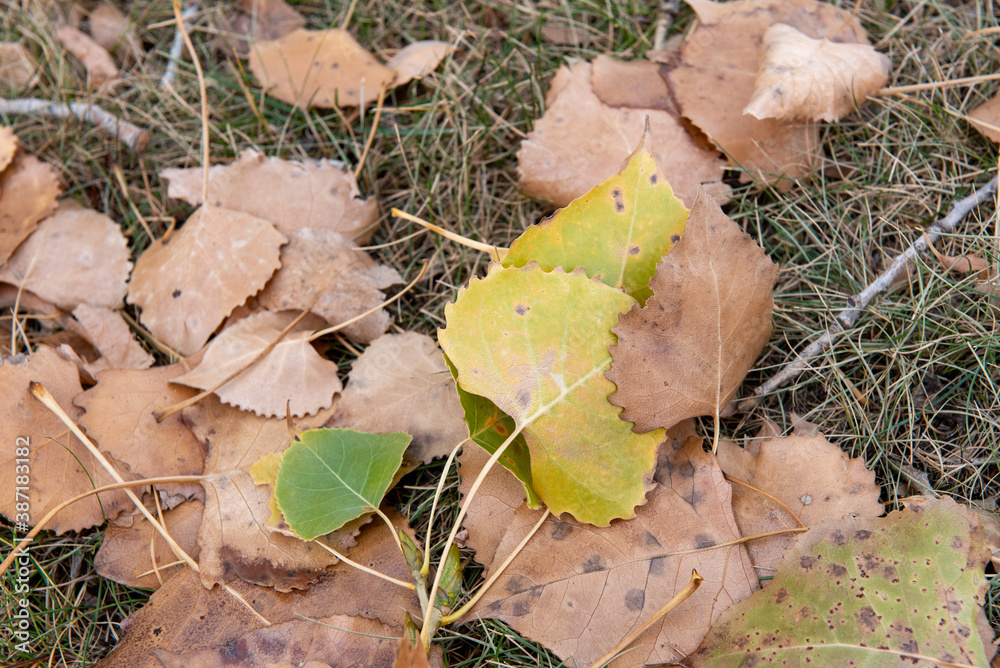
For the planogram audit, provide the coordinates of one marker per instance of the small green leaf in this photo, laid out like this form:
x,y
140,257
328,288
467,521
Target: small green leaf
x,y
329,477
451,581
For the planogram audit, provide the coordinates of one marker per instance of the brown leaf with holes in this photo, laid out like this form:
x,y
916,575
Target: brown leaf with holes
x,y
417,60
28,192
986,118
111,336
290,194
810,475
686,352
8,147
553,163
128,554
17,65
406,377
715,77
101,68
258,20
59,465
291,374
579,590
76,256
319,68
801,78
324,272
188,284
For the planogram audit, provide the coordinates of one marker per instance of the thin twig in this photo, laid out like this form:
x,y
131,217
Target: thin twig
x,y
134,137
205,158
857,303
371,134
176,48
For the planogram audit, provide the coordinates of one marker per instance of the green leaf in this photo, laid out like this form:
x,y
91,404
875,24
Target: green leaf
x,y
489,427
899,590
618,231
536,344
451,581
329,477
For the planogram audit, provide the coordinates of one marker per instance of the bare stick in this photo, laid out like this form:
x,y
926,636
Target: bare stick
x,y
176,49
134,137
857,303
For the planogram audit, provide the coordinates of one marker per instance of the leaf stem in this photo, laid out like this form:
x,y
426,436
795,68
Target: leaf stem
x,y
426,567
392,528
495,252
370,571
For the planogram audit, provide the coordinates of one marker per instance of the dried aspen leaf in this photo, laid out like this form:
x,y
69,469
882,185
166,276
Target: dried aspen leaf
x,y
60,466
556,165
417,60
258,20
101,69
127,553
324,272
410,655
965,264
579,590
319,68
905,589
635,83
986,118
28,192
406,377
814,79
8,147
110,335
293,373
76,256
234,537
110,29
810,475
17,66
715,80
188,284
686,353
290,194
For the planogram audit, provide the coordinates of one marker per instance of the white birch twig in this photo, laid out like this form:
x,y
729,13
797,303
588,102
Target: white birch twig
x,y
177,48
134,137
857,303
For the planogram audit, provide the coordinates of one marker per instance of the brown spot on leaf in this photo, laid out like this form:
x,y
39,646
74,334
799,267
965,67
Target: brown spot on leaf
x,y
592,564
866,619
521,309
634,599
561,531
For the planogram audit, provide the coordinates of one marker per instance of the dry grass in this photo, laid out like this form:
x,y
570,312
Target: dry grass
x,y
913,388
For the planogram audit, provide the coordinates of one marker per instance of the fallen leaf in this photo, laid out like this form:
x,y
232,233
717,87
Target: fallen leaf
x,y
17,65
8,147
406,377
635,83
110,335
410,655
965,264
814,79
292,374
188,284
686,353
28,192
109,27
55,465
417,60
235,540
573,34
319,68
76,256
810,475
903,589
127,554
986,118
101,68
259,20
324,272
579,590
290,194
556,165
715,78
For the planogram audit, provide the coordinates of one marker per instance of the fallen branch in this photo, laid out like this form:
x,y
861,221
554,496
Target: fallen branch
x,y
177,47
857,303
134,137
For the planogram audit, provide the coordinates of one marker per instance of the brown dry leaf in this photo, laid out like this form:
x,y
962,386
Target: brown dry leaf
x,y
410,655
111,336
809,474
188,284
111,30
687,351
635,83
60,466
579,590
234,537
101,68
715,81
17,66
76,256
319,68
127,554
324,272
8,147
814,79
406,377
258,20
290,194
986,118
28,192
292,373
554,163
417,60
